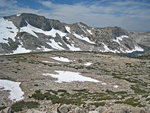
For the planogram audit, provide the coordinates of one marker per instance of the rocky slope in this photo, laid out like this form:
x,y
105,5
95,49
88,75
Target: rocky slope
x,y
30,32
97,83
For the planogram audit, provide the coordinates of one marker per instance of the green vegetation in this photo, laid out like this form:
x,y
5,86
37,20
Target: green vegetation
x,y
97,104
55,98
131,101
137,89
148,99
1,108
77,97
19,106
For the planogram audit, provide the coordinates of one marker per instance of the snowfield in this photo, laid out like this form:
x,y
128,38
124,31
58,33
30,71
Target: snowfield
x,y
136,48
83,38
33,30
16,94
7,30
20,49
68,29
62,59
55,45
118,39
89,31
106,49
67,76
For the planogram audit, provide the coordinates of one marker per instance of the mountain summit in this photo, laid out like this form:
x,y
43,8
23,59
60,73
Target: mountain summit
x,y
30,32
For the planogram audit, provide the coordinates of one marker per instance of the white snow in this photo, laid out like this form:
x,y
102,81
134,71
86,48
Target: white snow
x,y
136,48
106,49
16,93
46,61
55,45
118,39
89,31
82,27
20,49
18,14
68,29
67,76
67,38
29,29
33,30
7,30
115,86
45,49
73,48
62,59
104,83
83,38
87,63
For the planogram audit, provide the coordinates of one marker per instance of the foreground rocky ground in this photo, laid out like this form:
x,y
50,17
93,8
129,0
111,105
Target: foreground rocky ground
x,y
123,87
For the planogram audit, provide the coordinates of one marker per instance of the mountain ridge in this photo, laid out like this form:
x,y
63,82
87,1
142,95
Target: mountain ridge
x,y
31,32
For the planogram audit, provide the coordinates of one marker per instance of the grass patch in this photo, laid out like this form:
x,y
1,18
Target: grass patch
x,y
78,97
131,101
19,106
97,104
137,89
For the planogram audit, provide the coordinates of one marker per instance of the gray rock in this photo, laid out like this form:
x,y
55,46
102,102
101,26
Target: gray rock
x,y
64,108
100,109
99,36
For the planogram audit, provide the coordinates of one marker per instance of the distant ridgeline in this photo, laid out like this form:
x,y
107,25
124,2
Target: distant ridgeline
x,y
29,33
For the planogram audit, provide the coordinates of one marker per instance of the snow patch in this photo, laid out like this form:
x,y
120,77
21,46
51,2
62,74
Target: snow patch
x,y
45,49
104,83
67,76
16,94
89,31
106,49
7,30
18,14
115,86
62,59
83,38
55,45
136,48
20,49
118,39
68,29
81,26
73,48
87,63
33,30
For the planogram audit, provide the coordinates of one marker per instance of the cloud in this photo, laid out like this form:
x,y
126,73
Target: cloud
x,y
46,3
10,7
7,3
131,15
127,14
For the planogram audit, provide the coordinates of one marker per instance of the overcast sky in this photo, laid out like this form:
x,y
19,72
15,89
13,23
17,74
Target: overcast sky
x,y
133,15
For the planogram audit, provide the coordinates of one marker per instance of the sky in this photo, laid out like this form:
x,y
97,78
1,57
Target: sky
x,y
132,15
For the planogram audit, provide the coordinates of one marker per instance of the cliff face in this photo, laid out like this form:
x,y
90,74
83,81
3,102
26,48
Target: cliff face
x,y
30,32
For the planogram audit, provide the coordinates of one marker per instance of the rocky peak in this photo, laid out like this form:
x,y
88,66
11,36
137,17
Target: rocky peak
x,y
37,33
37,21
